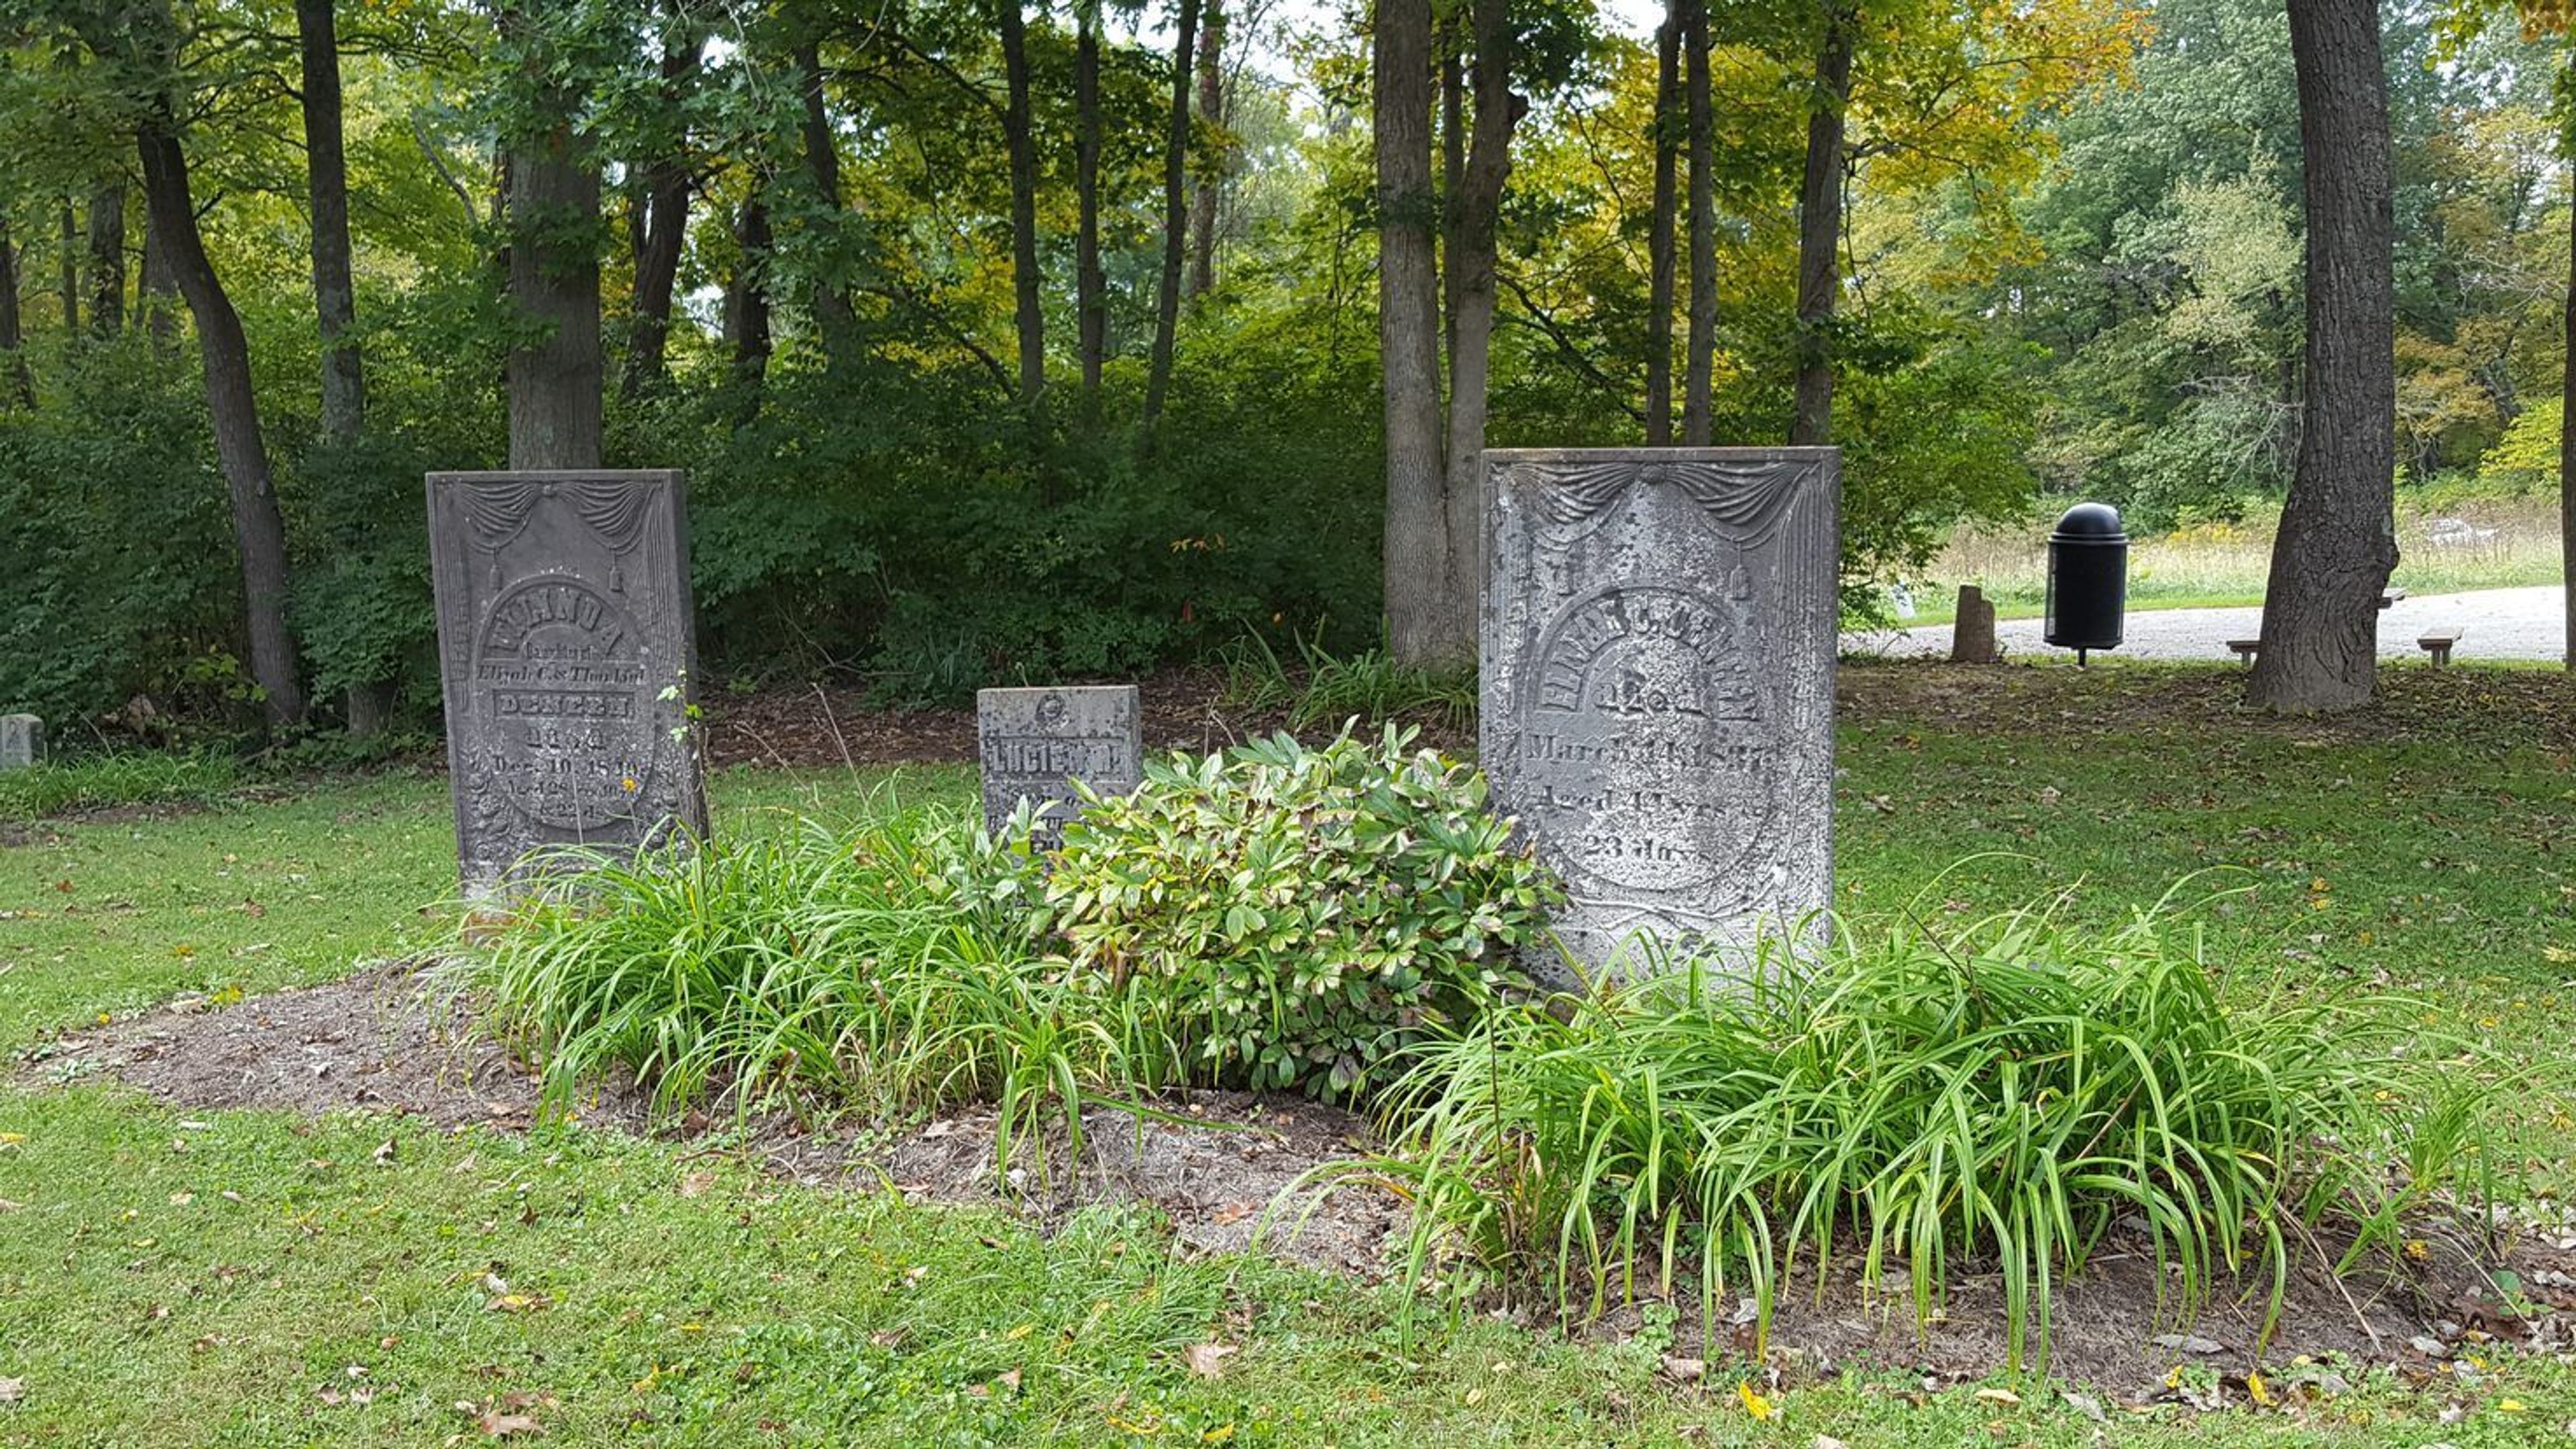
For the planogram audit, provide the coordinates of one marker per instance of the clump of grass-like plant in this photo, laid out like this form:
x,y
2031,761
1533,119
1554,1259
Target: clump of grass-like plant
x,y
1324,688
1992,1099
888,967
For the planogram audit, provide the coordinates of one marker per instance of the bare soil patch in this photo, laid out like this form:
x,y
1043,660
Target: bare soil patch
x,y
1221,1169
384,1041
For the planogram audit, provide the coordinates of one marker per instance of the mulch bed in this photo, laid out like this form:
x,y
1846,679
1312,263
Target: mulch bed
x,y
1222,1179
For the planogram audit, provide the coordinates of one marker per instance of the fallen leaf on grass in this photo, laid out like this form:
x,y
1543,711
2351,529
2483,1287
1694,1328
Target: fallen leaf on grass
x,y
697,1183
1998,1396
1683,1370
1207,1360
518,1303
12,1390
1754,1404
501,1426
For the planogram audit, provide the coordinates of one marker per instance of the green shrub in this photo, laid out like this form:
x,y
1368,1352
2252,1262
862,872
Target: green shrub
x,y
1995,1101
1298,916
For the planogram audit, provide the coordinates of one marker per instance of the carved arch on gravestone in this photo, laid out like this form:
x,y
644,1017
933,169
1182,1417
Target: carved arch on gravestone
x,y
1747,501
617,514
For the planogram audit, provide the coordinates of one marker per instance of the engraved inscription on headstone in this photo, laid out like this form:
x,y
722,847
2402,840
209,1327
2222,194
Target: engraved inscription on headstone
x,y
22,741
1034,743
1658,687
565,643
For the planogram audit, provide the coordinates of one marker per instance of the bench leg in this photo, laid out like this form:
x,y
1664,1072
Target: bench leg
x,y
2441,656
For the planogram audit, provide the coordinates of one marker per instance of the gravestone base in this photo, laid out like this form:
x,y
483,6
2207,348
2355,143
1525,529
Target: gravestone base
x,y
1033,744
1658,653
568,659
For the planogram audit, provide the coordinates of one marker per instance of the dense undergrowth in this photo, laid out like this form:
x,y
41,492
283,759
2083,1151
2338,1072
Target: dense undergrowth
x,y
1993,1097
1990,1096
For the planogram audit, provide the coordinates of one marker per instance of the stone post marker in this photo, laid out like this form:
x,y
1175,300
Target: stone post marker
x,y
22,741
1658,687
1972,636
1034,743
565,643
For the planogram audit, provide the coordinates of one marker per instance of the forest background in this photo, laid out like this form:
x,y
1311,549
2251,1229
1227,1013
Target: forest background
x,y
1022,341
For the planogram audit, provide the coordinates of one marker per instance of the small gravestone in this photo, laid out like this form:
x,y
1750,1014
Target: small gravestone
x,y
22,741
565,643
1972,636
1034,744
1658,688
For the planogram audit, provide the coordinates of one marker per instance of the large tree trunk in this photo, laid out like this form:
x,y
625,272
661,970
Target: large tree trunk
x,y
1211,62
1660,225
557,376
1176,219
67,229
833,318
1430,593
1091,289
259,531
746,316
1478,206
1700,360
13,332
1820,231
156,298
335,297
107,259
1453,172
666,224
1022,148
2567,419
2337,542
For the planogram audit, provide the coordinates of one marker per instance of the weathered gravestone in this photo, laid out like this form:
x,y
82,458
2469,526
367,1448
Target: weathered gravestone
x,y
22,741
1034,743
1658,687
565,643
1972,635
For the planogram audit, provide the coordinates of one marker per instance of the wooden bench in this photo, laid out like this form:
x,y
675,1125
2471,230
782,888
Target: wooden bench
x,y
2245,649
2393,596
2438,642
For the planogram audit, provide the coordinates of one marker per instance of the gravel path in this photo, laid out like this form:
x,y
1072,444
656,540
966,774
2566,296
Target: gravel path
x,y
2496,624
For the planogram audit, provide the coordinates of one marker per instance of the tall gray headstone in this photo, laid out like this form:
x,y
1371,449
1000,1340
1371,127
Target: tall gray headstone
x,y
1658,687
22,741
1034,743
566,645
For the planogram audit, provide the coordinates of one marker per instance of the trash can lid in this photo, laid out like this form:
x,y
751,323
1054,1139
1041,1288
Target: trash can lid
x,y
2089,522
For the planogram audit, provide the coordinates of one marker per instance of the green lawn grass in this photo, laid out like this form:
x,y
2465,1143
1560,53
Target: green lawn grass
x,y
213,1279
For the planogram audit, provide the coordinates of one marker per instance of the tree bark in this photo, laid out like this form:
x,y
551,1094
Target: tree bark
x,y
1477,207
13,332
1430,593
2337,541
1453,171
1700,355
2567,425
1017,140
68,242
156,298
1211,63
833,317
107,259
666,224
747,304
1820,230
556,377
335,297
1667,137
1176,219
1091,288
259,531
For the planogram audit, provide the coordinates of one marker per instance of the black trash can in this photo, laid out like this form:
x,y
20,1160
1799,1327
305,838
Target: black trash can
x,y
2088,579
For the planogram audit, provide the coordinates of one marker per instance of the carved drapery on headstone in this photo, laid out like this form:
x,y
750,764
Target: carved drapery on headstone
x,y
1658,658
1034,743
566,649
